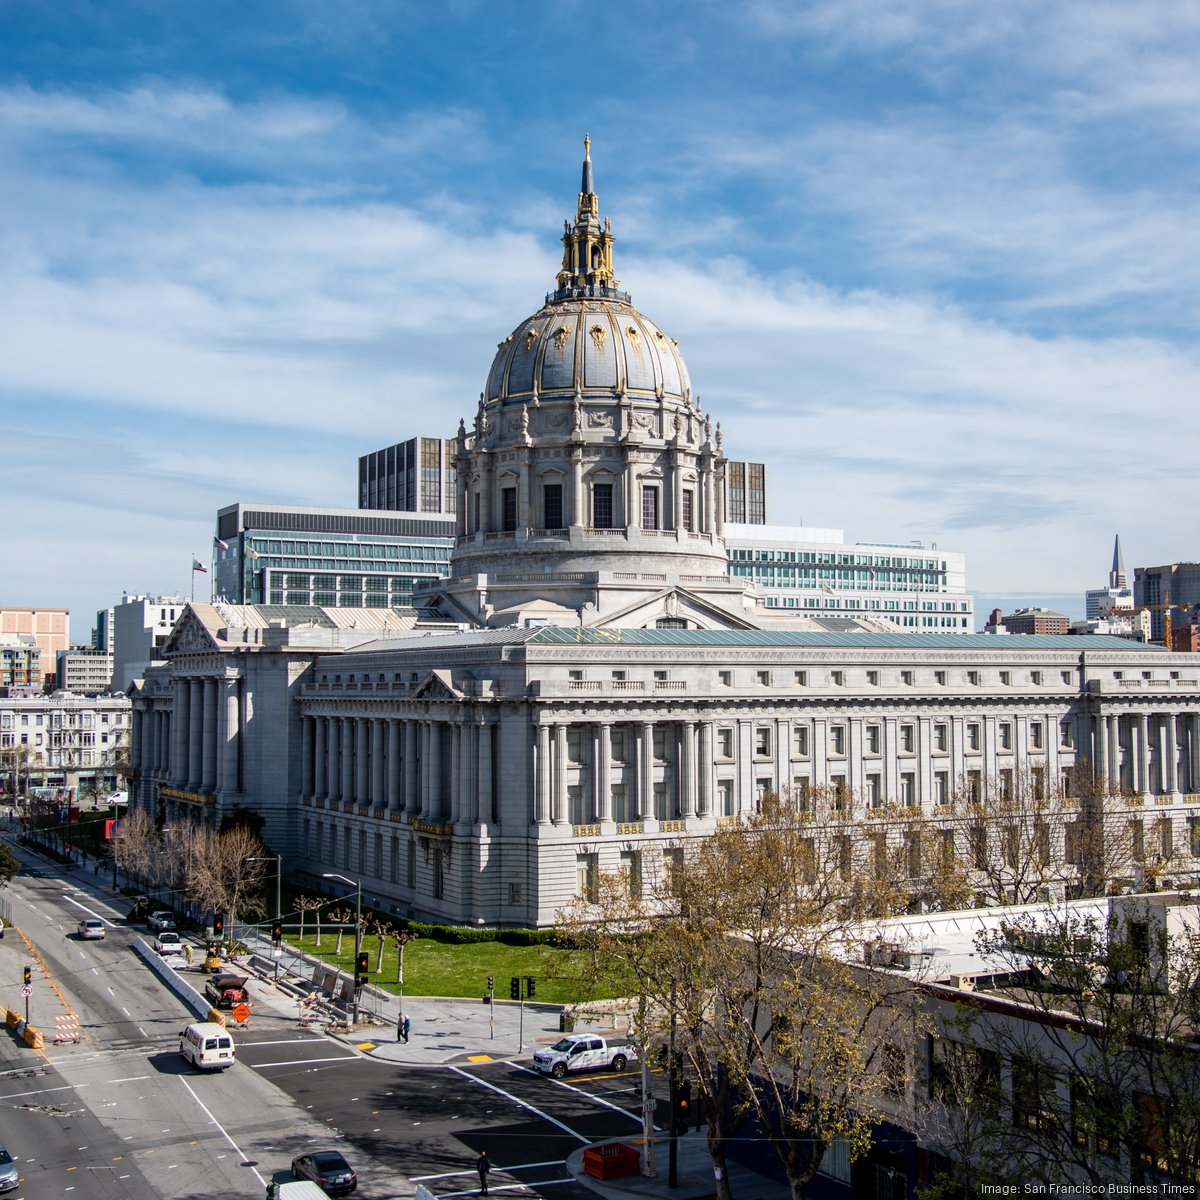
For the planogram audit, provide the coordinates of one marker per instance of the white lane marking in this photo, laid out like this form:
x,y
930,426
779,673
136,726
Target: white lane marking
x,y
90,911
509,1187
130,1079
95,971
286,1041
522,1103
221,1127
637,1117
111,992
125,1010
558,1162
299,1062
142,1032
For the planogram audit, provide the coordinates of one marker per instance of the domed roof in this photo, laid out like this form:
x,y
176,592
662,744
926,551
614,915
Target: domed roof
x,y
587,337
587,346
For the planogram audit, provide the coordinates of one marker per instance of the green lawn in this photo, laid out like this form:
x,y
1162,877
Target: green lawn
x,y
443,969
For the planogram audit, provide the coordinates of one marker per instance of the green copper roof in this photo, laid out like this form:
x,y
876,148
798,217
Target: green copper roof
x,y
1009,643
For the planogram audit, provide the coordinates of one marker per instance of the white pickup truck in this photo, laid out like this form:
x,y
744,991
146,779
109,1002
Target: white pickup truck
x,y
582,1052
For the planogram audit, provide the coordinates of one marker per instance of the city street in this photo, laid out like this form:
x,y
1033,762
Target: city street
x,y
121,1115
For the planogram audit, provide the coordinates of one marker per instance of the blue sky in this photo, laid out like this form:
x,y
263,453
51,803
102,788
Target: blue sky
x,y
935,263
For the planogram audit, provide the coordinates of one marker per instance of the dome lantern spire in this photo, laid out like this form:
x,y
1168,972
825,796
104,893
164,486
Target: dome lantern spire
x,y
587,268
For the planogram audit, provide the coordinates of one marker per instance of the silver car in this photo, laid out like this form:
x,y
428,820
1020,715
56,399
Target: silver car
x,y
9,1177
90,927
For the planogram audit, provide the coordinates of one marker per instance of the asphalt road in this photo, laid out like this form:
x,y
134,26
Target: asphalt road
x,y
121,1110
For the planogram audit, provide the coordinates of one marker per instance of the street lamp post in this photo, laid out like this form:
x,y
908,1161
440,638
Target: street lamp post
x,y
357,885
278,897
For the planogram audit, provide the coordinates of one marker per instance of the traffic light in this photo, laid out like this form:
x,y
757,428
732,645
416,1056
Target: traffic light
x,y
28,976
683,1107
491,984
277,932
514,987
530,987
362,967
218,925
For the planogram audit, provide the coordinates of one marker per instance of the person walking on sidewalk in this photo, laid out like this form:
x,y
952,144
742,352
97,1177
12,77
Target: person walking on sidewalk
x,y
483,1166
403,1026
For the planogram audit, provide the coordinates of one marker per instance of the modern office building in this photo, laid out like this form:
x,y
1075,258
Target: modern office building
x,y
63,743
817,573
84,671
140,627
600,690
1174,584
1037,620
327,557
416,476
50,627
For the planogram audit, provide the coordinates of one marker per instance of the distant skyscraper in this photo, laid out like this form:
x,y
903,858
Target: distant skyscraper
x,y
1118,594
417,475
745,493
1176,584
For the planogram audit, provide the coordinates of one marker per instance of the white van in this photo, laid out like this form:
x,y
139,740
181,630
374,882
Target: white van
x,y
208,1046
295,1189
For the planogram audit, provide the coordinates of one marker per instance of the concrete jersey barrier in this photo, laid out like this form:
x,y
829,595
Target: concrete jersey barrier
x,y
199,1006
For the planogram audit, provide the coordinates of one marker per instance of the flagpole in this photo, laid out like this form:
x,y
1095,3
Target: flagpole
x,y
193,579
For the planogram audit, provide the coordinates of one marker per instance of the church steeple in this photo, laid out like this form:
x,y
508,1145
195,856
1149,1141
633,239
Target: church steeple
x,y
587,268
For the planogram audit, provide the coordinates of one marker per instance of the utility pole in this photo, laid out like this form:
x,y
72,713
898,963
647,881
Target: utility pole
x,y
649,1170
357,885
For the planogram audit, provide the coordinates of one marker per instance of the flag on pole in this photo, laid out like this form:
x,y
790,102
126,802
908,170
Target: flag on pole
x,y
251,553
220,545
197,565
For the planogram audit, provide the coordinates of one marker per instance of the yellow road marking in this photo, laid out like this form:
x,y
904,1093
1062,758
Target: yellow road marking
x,y
479,1058
365,1046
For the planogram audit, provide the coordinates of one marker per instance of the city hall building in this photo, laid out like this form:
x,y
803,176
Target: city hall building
x,y
587,688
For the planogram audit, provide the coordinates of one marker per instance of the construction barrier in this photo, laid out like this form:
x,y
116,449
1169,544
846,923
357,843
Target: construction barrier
x,y
215,1017
66,1029
196,1003
11,1018
33,1038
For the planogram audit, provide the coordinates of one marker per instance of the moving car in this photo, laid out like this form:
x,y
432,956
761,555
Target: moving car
x,y
162,919
227,991
90,927
207,1046
327,1168
168,942
583,1052
9,1177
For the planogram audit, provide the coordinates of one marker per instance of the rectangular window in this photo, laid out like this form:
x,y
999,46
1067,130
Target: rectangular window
x,y
725,678
1033,1094
939,677
941,738
1006,677
762,743
764,678
874,795
586,872
800,741
649,507
1005,735
508,498
907,677
689,520
1066,678
837,678
725,797
1064,733
1035,735
552,506
618,745
908,789
802,679
941,787
908,738
872,737
631,869
837,739
724,743
1035,677
973,678
1006,784
602,506
973,736
873,678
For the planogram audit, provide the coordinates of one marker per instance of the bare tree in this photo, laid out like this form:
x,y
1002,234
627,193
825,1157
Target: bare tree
x,y
312,904
226,870
741,947
137,844
341,917
382,930
400,937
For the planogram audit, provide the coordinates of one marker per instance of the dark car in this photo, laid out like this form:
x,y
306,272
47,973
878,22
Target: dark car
x,y
141,909
227,991
328,1170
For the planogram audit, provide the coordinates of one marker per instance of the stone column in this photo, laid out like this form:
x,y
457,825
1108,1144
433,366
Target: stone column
x,y
306,755
1143,754
320,735
1100,740
466,796
362,761
704,769
378,730
578,513
394,800
558,808
195,757
332,746
208,735
541,805
179,716
436,793
1175,734
231,736
1194,754
347,747
453,810
604,771
483,780
409,802
137,724
687,773
645,790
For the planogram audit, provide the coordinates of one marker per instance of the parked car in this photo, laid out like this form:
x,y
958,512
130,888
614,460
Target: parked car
x,y
582,1052
227,991
9,1176
168,942
328,1169
90,927
162,919
142,907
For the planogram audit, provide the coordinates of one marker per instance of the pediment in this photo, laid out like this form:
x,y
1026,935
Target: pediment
x,y
673,604
436,686
190,636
